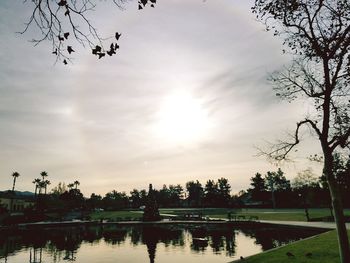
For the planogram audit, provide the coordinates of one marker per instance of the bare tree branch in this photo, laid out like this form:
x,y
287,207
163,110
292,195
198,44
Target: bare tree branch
x,y
58,21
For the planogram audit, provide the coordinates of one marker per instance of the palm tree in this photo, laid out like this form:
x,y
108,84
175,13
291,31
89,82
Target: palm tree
x,y
41,185
76,183
46,183
36,182
14,175
44,174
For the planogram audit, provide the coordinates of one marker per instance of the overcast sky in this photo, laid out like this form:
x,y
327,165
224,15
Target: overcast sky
x,y
186,98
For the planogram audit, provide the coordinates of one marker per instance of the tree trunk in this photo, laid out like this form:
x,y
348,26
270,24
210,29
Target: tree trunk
x,y
344,249
14,183
306,212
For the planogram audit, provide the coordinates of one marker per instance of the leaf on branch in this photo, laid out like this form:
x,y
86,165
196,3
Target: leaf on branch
x,y
70,49
62,3
96,50
53,23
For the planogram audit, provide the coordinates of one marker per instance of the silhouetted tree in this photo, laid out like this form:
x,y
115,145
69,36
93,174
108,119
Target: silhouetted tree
x,y
163,196
258,190
151,212
15,175
43,175
175,195
94,201
276,182
46,183
224,189
143,196
318,34
43,183
36,183
135,198
72,199
41,186
169,196
195,193
115,200
211,193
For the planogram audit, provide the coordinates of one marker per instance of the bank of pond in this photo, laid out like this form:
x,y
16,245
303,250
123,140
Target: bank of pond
x,y
145,243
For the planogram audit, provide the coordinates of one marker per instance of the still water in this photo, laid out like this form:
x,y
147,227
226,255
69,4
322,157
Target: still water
x,y
135,244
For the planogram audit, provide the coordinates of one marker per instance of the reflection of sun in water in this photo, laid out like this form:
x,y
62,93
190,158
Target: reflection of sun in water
x,y
181,119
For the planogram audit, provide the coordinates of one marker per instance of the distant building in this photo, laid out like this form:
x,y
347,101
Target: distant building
x,y
15,203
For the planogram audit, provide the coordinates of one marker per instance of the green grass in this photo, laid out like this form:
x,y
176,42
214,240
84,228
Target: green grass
x,y
324,249
116,215
262,214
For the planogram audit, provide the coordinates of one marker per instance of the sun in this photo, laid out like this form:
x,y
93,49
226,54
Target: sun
x,y
181,118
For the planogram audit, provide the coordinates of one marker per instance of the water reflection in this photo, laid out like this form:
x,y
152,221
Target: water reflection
x,y
73,244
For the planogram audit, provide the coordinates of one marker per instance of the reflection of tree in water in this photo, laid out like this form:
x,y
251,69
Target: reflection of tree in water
x,y
93,234
151,235
115,235
219,238
271,237
63,243
199,235
223,239
135,236
35,255
8,245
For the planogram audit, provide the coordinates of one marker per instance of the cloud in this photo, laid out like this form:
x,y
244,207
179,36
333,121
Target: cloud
x,y
93,120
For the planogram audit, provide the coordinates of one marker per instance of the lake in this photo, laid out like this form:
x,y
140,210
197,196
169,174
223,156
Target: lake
x,y
143,243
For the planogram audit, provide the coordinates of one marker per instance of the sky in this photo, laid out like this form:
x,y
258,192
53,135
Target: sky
x,y
186,98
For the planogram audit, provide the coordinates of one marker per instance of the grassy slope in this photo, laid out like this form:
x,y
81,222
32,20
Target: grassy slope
x,y
324,249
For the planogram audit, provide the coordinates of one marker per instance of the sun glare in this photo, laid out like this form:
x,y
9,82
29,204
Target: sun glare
x,y
182,118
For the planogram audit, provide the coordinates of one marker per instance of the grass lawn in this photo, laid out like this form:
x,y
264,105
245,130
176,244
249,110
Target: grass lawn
x,y
262,214
116,215
324,249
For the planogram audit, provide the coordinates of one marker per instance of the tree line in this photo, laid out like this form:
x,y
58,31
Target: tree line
x,y
271,190
306,189
194,194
